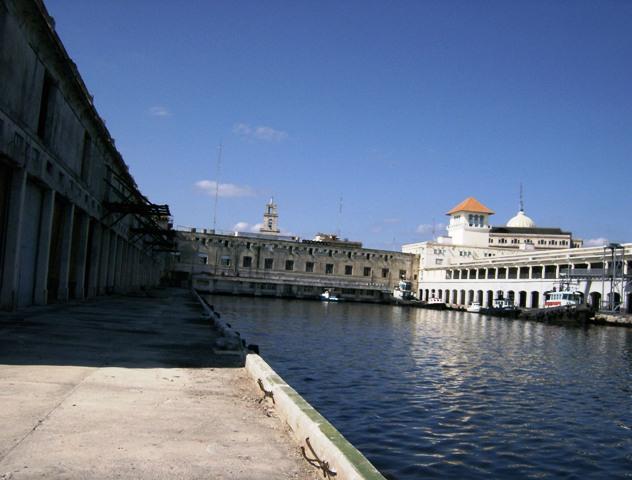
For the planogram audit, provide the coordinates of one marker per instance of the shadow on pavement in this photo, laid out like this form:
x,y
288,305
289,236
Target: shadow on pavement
x,y
162,329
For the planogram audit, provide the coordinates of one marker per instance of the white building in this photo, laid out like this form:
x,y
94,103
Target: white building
x,y
471,237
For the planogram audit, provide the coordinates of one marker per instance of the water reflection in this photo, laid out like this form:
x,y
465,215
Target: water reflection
x,y
426,393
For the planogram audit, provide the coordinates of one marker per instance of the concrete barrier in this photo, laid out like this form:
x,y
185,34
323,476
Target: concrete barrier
x,y
333,451
230,341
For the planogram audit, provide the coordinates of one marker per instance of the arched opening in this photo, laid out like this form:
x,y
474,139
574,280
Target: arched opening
x,y
447,296
595,300
614,301
432,293
628,302
535,299
440,293
470,297
500,294
462,302
490,298
522,299
479,297
511,296
455,298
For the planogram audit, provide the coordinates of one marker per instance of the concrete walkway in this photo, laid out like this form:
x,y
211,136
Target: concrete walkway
x,y
128,387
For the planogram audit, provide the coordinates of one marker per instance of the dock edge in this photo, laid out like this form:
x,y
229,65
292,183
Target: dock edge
x,y
306,422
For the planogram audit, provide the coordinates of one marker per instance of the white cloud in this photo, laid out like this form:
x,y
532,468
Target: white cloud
x,y
426,228
595,242
159,111
241,226
227,190
246,227
261,132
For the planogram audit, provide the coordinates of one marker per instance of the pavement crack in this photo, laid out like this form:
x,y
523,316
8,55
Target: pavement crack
x,y
50,412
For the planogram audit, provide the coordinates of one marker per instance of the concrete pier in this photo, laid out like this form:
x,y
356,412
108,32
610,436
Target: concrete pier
x,y
129,387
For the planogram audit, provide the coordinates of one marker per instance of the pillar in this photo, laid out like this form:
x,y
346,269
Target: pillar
x,y
82,254
43,248
104,262
10,275
114,246
95,261
66,245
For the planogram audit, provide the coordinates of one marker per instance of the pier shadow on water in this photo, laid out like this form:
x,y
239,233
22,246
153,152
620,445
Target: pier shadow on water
x,y
164,329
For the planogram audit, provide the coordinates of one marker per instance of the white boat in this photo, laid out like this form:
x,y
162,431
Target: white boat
x,y
474,307
327,296
501,307
562,298
435,303
403,291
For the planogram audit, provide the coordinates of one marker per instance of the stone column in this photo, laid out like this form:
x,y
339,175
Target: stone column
x,y
114,246
10,275
82,255
95,261
64,256
118,261
104,260
43,248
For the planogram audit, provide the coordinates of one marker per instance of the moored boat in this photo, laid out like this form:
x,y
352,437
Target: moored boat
x,y
327,296
474,307
501,307
434,303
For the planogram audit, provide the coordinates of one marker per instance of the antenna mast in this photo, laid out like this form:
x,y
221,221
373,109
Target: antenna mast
x,y
521,199
339,215
219,163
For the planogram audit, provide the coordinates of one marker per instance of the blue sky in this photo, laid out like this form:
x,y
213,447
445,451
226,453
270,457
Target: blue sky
x,y
401,108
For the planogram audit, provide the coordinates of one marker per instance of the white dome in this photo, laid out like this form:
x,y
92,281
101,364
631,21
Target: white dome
x,y
521,221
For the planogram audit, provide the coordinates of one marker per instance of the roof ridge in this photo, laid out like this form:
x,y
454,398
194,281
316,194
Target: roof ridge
x,y
470,204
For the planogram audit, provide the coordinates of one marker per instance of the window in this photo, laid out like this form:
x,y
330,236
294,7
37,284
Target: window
x,y
367,271
203,259
402,274
267,263
438,261
289,264
309,267
225,261
348,269
329,268
384,272
247,262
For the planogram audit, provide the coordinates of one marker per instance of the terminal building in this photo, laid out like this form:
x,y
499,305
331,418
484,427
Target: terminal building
x,y
270,264
478,262
472,237
73,222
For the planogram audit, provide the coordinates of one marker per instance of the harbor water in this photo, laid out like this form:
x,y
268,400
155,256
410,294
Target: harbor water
x,y
431,394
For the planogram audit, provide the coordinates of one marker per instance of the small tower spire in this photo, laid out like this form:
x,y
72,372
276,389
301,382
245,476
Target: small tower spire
x,y
521,199
270,219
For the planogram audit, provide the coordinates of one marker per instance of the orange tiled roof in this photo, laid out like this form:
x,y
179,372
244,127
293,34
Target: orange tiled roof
x,y
470,204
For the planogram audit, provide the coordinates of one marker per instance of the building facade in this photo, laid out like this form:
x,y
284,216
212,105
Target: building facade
x,y
266,265
602,274
73,223
472,237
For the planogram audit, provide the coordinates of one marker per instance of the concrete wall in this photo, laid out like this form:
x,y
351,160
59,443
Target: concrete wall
x,y
59,166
